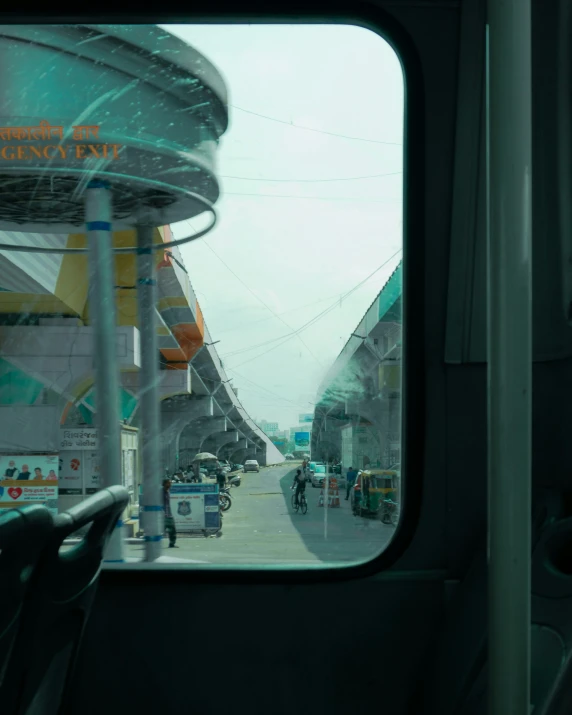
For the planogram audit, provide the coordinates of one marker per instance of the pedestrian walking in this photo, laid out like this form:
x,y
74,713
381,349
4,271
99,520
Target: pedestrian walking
x,y
220,478
351,476
169,520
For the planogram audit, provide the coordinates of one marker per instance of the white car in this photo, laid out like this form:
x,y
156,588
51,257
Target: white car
x,y
251,465
318,475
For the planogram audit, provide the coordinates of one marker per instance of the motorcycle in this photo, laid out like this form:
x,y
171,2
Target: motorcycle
x,y
224,500
235,481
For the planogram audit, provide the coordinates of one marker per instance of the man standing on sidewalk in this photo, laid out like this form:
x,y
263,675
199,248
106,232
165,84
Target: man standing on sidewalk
x,y
169,520
350,480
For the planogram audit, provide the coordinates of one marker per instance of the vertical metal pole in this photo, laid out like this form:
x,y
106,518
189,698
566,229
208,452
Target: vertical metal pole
x,y
149,394
326,499
102,311
509,177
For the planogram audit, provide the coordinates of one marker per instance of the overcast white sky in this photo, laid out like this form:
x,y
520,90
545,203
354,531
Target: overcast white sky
x,y
303,240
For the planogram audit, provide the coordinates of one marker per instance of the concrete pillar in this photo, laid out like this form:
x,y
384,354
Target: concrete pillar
x,y
260,454
229,451
218,440
195,434
238,455
171,384
377,412
175,417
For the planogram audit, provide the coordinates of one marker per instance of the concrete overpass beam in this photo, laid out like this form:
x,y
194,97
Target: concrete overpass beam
x,y
195,435
175,417
218,440
61,356
229,450
171,383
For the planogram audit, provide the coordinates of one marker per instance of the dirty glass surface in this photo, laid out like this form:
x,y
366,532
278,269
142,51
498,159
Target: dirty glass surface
x,y
201,286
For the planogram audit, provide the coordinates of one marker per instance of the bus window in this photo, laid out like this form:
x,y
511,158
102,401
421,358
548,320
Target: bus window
x,y
201,251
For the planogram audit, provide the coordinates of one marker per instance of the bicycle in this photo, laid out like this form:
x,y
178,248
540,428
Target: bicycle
x,y
301,504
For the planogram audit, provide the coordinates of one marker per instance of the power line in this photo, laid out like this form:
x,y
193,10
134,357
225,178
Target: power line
x,y
268,397
315,318
313,198
233,353
274,394
284,312
249,289
310,129
301,181
320,315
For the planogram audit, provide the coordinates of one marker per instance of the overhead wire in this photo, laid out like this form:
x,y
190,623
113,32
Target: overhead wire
x,y
268,399
249,289
311,181
313,198
319,316
316,317
311,129
265,320
270,392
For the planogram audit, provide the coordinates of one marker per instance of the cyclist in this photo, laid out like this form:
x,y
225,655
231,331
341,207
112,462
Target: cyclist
x,y
300,483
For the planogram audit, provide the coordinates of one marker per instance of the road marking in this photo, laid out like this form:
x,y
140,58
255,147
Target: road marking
x,y
262,494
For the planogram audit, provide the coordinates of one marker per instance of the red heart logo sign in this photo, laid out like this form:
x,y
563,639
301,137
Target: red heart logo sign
x,y
14,492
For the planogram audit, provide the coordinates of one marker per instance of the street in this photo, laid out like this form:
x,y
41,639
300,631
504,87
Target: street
x,y
261,527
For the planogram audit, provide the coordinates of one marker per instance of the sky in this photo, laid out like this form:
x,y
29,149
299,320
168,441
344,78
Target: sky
x,y
298,225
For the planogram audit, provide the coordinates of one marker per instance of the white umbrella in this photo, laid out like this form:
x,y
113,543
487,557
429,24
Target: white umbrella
x,y
205,457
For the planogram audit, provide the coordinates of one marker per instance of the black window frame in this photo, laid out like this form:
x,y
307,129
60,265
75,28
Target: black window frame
x,y
380,21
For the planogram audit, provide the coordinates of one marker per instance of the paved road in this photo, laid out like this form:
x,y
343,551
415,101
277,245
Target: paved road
x,y
262,528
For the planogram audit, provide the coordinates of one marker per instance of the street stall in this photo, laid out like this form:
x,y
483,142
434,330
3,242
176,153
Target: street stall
x,y
195,508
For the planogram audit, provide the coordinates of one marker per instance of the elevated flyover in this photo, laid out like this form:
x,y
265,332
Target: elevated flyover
x,y
357,416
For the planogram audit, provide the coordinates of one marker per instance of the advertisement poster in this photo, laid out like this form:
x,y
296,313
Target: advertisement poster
x,y
128,469
91,473
195,507
29,466
29,479
301,440
71,473
78,438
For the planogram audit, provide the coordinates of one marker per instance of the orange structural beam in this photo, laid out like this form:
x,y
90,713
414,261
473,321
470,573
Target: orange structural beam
x,y
181,312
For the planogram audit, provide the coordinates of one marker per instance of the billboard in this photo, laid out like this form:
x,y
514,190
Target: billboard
x,y
39,467
308,417
301,440
29,479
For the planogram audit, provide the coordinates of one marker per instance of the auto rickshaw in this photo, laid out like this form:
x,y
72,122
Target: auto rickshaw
x,y
372,488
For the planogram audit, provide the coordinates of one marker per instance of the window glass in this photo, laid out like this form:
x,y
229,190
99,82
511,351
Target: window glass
x,y
274,155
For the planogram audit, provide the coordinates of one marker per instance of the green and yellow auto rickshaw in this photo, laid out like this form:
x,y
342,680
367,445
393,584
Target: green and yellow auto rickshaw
x,y
373,491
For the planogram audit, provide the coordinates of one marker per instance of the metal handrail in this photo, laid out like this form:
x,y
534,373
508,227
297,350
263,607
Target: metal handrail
x,y
509,223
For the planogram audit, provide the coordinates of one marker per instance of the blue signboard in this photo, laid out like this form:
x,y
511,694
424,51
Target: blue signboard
x,y
195,507
301,440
